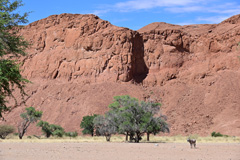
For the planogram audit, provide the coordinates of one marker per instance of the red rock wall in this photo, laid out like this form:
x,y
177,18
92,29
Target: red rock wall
x,y
77,63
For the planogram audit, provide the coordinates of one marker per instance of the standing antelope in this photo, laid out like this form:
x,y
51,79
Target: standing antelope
x,y
192,142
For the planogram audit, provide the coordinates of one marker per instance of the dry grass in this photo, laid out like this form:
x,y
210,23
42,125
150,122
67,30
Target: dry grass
x,y
120,138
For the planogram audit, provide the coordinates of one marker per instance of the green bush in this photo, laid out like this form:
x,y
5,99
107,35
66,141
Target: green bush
x,y
218,134
58,133
6,130
71,134
51,129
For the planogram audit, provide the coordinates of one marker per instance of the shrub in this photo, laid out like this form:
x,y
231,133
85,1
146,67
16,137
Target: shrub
x,y
71,134
217,134
58,133
6,130
51,129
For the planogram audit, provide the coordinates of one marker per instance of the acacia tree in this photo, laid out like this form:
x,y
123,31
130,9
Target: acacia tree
x,y
134,118
156,125
105,125
11,45
121,118
87,124
31,116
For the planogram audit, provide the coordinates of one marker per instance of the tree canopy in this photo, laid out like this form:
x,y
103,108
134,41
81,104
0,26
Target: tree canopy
x,y
131,117
11,46
30,116
105,125
87,124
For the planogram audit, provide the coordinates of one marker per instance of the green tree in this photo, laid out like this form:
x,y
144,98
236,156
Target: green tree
x,y
133,118
30,116
46,128
6,130
11,45
87,124
121,117
156,125
51,129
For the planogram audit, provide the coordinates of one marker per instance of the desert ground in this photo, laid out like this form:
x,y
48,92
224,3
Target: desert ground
x,y
117,151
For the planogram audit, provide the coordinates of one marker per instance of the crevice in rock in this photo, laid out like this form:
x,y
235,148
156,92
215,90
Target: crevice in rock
x,y
139,67
56,74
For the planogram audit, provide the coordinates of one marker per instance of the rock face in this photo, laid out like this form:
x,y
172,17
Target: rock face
x,y
198,69
77,63
82,48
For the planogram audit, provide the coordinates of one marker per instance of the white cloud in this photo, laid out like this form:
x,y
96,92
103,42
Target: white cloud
x,y
149,4
101,12
226,8
185,9
214,19
218,9
174,6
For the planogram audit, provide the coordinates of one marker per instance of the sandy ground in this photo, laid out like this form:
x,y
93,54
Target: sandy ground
x,y
118,151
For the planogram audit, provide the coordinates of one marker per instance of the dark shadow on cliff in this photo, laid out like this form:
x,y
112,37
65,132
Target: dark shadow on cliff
x,y
139,67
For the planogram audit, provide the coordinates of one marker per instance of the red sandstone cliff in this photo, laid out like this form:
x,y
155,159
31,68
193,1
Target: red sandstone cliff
x,y
77,63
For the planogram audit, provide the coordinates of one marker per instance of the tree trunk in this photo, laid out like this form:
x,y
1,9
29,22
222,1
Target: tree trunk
x,y
22,128
20,136
48,134
138,137
20,132
126,137
148,135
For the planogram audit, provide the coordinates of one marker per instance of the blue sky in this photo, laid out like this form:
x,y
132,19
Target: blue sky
x,y
135,14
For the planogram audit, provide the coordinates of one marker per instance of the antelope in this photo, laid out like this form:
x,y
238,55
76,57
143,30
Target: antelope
x,y
192,142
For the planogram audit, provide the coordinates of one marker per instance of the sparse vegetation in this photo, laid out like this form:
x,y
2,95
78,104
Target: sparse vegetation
x,y
120,138
193,136
6,130
30,116
218,134
71,134
51,129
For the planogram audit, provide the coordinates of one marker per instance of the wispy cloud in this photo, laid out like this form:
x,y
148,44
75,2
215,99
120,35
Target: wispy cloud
x,y
100,12
226,8
133,5
214,19
173,6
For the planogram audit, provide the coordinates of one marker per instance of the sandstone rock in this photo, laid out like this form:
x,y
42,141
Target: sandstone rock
x,y
82,47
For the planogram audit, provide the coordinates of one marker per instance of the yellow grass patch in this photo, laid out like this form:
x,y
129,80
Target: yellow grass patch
x,y
120,138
